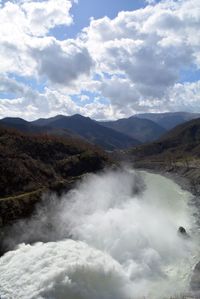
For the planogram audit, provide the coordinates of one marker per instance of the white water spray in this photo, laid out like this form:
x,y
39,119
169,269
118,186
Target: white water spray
x,y
125,243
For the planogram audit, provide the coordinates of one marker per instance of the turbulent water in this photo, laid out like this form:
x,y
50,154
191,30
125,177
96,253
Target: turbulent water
x,y
123,242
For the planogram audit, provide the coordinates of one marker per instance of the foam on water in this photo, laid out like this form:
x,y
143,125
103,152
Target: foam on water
x,y
65,269
125,243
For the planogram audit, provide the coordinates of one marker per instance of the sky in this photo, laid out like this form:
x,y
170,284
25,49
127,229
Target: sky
x,y
105,59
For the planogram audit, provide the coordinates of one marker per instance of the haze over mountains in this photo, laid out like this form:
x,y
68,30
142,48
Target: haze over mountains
x,y
144,130
119,134
169,120
148,127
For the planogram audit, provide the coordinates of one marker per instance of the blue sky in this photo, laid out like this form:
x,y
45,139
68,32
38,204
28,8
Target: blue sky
x,y
145,59
86,9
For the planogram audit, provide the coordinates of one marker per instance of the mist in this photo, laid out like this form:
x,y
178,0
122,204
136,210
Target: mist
x,y
113,237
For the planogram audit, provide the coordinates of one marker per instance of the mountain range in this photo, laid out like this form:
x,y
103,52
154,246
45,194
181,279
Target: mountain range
x,y
110,135
142,129
169,120
75,126
90,130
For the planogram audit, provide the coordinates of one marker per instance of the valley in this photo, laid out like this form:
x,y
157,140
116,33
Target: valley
x,y
49,178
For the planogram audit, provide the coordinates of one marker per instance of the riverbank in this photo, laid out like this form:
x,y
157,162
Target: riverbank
x,y
187,176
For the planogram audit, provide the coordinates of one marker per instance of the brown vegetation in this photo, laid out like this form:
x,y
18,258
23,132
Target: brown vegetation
x,y
30,164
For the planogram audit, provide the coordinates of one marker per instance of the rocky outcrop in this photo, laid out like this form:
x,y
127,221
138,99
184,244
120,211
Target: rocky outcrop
x,y
182,232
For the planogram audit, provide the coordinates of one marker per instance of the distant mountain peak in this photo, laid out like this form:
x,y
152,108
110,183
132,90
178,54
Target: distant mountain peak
x,y
13,119
81,117
78,115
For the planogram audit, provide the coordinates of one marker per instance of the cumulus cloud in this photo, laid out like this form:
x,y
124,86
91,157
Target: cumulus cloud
x,y
26,49
36,17
185,96
148,48
135,60
44,15
50,102
126,100
62,63
8,85
32,102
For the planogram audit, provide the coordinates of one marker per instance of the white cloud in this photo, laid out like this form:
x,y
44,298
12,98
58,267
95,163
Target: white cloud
x,y
126,99
31,104
144,53
43,15
18,33
34,104
8,85
134,60
35,17
185,97
26,50
62,62
150,1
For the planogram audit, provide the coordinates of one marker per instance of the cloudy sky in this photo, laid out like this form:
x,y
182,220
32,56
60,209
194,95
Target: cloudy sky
x,y
105,59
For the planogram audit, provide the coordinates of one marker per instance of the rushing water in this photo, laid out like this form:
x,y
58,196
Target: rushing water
x,y
124,242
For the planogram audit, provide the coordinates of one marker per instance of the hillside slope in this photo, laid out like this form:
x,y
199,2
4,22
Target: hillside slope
x,y
143,130
29,127
181,141
178,151
33,164
29,162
